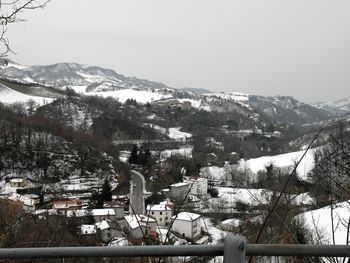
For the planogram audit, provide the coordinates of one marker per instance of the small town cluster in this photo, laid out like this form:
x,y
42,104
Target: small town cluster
x,y
125,220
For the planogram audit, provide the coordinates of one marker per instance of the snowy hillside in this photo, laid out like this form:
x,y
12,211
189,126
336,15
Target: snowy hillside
x,y
341,106
282,160
251,167
92,80
320,223
89,80
10,96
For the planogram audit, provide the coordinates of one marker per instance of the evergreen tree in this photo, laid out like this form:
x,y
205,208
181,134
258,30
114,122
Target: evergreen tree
x,y
144,157
95,201
133,159
106,194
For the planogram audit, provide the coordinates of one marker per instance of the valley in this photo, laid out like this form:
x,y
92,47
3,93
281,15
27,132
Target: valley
x,y
73,136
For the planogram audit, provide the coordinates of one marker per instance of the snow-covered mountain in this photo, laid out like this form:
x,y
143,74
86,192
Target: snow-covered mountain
x,y
92,80
73,74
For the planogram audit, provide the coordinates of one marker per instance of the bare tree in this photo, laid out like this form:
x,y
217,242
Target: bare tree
x,y
10,11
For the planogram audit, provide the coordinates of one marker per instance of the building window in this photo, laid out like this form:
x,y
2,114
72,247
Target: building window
x,y
160,219
166,218
160,213
152,213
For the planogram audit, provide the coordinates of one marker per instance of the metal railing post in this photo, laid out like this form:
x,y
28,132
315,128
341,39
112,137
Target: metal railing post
x,y
234,249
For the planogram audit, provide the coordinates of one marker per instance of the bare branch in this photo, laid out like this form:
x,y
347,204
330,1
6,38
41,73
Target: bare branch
x,y
9,11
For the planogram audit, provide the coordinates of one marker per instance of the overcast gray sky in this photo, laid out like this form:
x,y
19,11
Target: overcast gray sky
x,y
271,47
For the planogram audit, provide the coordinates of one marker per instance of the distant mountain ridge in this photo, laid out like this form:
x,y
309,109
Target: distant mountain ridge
x,y
340,106
97,81
73,74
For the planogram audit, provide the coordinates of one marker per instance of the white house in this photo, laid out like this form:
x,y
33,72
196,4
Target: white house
x,y
103,214
187,225
162,213
139,225
179,190
108,230
28,201
199,186
18,182
118,208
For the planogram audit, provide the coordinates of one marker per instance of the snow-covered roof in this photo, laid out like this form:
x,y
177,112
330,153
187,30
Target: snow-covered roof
x,y
119,242
45,211
17,180
102,225
88,229
63,204
232,222
134,221
159,207
26,200
186,216
77,213
180,184
114,203
103,212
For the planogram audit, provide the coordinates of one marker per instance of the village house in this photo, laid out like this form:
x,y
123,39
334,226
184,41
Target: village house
x,y
18,182
28,202
63,205
103,214
162,213
187,225
118,208
108,230
199,186
179,190
139,225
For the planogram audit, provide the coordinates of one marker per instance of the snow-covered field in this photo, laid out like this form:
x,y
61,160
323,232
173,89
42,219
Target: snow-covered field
x,y
283,160
173,133
185,152
10,96
251,167
320,223
141,96
229,197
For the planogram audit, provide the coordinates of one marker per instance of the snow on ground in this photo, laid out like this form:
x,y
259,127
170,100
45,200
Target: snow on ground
x,y
303,199
229,197
198,104
320,223
283,160
217,234
79,89
10,96
141,96
173,133
77,183
176,134
251,167
124,156
15,65
215,173
185,152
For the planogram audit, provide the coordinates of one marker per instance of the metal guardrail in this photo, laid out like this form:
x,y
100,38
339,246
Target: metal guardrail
x,y
234,249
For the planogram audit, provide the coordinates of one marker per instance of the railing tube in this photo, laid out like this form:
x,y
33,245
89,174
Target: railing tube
x,y
234,249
